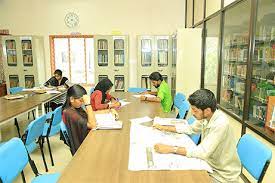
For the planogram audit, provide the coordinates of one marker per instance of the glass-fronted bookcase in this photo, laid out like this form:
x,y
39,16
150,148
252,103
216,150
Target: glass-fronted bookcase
x,y
239,60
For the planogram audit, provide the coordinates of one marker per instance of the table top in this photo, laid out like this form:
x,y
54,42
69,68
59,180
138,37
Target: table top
x,y
103,156
11,108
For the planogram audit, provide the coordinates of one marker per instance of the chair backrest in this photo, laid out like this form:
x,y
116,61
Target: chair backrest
x,y
182,104
195,138
35,129
15,90
57,116
254,155
137,90
92,90
64,131
13,158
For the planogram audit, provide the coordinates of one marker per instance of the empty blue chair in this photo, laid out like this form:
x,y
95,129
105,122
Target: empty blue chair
x,y
137,90
14,158
52,128
255,156
32,134
182,104
15,90
196,137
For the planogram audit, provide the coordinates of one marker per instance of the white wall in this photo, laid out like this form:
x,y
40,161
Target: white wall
x,y
46,17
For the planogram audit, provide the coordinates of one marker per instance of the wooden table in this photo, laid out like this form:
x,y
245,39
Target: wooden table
x,y
10,109
103,156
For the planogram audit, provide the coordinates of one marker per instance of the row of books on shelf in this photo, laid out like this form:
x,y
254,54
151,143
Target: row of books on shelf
x,y
10,44
119,44
146,58
145,82
265,54
235,70
119,59
11,59
231,100
266,33
162,44
163,57
119,83
26,44
236,54
233,82
237,39
29,83
27,59
102,58
102,44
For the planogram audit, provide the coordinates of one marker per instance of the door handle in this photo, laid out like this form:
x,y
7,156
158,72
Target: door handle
x,y
25,70
116,70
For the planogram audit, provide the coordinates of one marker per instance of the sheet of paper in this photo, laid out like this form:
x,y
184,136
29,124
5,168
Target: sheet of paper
x,y
124,103
107,121
53,92
141,120
142,155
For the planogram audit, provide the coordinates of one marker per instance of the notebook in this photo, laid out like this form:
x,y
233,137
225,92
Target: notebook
x,y
107,121
14,96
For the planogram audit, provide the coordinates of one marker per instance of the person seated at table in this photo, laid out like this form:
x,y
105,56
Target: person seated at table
x,y
77,120
217,147
57,81
163,94
101,98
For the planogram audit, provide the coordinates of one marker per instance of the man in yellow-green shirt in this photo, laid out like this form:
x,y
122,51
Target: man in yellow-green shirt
x,y
163,94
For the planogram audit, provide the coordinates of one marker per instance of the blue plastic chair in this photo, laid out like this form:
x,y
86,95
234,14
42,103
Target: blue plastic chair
x,y
65,134
34,132
195,137
92,90
14,158
15,90
255,156
137,90
182,104
52,128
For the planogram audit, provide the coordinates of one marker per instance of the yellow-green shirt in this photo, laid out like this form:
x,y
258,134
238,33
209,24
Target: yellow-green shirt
x,y
164,93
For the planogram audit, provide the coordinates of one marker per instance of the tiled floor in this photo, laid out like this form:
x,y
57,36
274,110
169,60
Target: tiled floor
x,y
61,153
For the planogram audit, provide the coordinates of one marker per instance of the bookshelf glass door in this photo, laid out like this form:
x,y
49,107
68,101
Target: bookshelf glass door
x,y
11,52
102,50
119,83
146,52
14,81
27,52
101,77
145,82
263,68
29,81
119,52
234,59
162,49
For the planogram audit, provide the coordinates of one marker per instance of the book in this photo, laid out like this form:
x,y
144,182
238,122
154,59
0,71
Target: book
x,y
107,121
13,96
270,114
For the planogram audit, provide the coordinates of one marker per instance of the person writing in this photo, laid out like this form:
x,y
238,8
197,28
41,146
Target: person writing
x,y
163,94
101,97
217,147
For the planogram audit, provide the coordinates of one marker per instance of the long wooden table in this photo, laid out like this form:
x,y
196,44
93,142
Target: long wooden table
x,y
103,156
10,109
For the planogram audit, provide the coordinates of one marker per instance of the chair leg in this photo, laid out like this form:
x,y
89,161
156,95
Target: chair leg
x,y
43,155
17,127
23,177
50,151
33,115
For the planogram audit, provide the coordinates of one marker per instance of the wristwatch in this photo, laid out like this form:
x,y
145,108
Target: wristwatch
x,y
175,149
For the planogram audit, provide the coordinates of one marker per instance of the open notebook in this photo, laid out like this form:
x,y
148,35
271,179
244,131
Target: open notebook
x,y
107,121
13,96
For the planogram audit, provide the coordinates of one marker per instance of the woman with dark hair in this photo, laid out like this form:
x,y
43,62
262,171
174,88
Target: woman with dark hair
x,y
77,120
101,96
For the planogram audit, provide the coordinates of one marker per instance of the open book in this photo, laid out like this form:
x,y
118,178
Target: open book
x,y
107,121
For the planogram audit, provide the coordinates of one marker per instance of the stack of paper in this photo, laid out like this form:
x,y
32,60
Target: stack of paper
x,y
146,95
107,121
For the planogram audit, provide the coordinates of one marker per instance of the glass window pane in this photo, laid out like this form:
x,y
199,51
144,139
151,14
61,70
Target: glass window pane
x,y
212,6
90,60
119,52
227,2
11,52
212,32
77,60
263,69
146,52
235,52
189,18
61,55
102,46
27,52
198,10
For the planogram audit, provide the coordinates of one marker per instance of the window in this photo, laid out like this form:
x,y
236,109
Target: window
x,y
74,55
